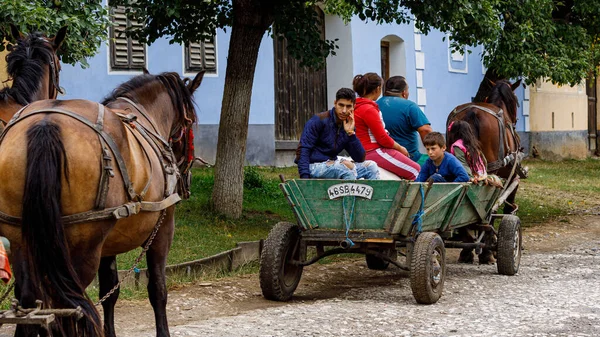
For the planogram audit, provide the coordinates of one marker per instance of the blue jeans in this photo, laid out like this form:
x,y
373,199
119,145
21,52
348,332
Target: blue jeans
x,y
338,170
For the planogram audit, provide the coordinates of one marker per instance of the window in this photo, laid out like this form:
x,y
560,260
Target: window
x,y
201,56
125,53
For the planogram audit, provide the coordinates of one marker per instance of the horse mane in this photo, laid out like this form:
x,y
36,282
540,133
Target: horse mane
x,y
502,93
180,95
25,66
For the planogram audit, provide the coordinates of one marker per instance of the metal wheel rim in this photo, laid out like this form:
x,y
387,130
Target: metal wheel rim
x,y
436,267
516,247
289,270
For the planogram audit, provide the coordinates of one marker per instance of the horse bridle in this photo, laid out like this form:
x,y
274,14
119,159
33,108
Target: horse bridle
x,y
184,137
55,78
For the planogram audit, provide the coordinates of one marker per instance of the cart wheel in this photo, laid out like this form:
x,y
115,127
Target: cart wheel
x,y
509,245
376,263
278,277
428,268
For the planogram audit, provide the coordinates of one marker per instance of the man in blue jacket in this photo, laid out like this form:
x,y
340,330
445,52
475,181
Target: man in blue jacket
x,y
327,134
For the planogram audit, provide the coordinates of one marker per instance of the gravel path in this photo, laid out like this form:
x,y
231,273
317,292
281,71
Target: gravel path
x,y
554,294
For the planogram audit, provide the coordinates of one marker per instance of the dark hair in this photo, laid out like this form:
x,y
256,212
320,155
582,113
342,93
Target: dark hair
x,y
395,85
503,92
366,84
434,138
345,93
463,130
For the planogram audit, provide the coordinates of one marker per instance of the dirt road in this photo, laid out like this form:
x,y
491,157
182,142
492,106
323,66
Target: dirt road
x,y
556,293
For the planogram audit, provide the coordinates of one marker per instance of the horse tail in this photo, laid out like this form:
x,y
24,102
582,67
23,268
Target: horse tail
x,y
43,234
471,118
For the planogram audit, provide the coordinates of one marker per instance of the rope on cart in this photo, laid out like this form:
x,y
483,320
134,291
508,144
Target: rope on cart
x,y
418,217
348,220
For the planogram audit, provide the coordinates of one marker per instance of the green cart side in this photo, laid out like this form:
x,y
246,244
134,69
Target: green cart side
x,y
378,218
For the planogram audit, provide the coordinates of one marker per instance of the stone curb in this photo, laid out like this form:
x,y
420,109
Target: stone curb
x,y
227,261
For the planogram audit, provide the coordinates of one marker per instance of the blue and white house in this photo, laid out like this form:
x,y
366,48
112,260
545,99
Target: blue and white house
x,y
282,100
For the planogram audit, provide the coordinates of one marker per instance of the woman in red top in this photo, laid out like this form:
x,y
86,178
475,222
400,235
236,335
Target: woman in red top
x,y
370,130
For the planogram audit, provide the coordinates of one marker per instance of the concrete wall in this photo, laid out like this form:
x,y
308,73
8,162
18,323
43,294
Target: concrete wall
x,y
558,120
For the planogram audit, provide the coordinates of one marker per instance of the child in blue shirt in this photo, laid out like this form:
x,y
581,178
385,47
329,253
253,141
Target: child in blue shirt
x,y
441,166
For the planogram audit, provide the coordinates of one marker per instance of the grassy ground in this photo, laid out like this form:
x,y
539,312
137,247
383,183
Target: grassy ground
x,y
555,189
200,232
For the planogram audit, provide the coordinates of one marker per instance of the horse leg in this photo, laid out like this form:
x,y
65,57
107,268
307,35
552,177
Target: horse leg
x,y
156,258
466,254
108,278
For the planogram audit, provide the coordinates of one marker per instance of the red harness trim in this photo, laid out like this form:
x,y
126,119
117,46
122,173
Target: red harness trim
x,y
190,145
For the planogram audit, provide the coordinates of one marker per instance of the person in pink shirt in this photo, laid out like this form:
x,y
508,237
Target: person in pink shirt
x,y
370,130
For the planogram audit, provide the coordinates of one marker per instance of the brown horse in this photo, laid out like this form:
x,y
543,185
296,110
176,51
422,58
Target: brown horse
x,y
33,67
494,123
90,181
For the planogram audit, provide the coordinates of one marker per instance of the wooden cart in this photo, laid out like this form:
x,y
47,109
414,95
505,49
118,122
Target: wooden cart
x,y
378,218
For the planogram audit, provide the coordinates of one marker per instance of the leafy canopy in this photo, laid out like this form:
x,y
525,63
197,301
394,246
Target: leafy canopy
x,y
87,23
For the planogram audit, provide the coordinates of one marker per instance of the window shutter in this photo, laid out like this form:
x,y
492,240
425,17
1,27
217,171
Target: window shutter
x,y
201,56
126,53
210,55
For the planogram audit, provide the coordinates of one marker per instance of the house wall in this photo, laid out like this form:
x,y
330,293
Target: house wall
x,y
558,121
97,81
3,74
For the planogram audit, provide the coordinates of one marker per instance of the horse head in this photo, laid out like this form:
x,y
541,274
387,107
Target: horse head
x,y
33,66
502,95
169,102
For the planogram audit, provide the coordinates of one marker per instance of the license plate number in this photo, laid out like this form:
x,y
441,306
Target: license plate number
x,y
350,189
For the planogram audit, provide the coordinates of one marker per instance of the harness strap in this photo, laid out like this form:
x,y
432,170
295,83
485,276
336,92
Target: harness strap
x,y
141,111
117,212
107,138
136,136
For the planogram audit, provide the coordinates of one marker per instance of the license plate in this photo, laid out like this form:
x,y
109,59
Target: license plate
x,y
350,189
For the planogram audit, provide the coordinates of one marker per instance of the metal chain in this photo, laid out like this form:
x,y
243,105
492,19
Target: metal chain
x,y
137,260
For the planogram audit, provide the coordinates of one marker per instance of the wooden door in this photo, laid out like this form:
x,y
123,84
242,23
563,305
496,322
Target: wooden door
x,y
592,115
300,92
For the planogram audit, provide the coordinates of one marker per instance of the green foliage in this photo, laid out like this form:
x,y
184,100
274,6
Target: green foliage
x,y
252,178
551,39
87,22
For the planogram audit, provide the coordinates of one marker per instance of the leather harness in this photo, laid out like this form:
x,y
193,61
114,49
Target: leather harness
x,y
502,124
160,147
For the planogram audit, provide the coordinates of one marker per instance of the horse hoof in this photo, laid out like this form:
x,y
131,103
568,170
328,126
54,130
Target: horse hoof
x,y
487,259
466,256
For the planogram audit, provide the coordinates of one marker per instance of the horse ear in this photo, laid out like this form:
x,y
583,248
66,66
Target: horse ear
x,y
515,85
59,38
145,71
193,85
17,35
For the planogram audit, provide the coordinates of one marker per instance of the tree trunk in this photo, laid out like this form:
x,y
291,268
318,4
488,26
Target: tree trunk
x,y
251,21
486,85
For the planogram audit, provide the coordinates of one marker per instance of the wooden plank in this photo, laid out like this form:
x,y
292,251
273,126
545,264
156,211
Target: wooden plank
x,y
396,207
410,206
304,212
454,209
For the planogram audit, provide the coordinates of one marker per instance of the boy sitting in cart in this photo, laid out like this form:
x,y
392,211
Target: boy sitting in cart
x,y
441,165
327,134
